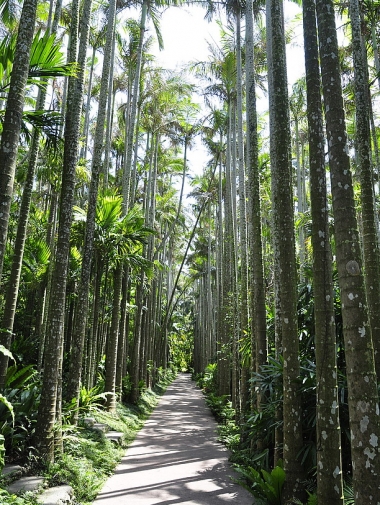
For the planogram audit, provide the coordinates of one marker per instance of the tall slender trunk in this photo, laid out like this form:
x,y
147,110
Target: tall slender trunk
x,y
110,113
284,229
47,409
224,350
363,143
361,378
112,341
122,352
19,245
13,117
244,309
258,310
86,126
329,457
75,371
279,435
132,120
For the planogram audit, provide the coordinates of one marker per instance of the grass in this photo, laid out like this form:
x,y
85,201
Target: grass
x,y
89,458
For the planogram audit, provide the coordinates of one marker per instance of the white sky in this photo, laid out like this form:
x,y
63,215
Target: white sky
x,y
185,33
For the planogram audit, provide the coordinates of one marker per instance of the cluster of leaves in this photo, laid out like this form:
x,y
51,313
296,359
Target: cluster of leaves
x,y
265,486
207,380
181,341
17,401
11,499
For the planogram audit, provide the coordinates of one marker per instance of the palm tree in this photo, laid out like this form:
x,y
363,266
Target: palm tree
x,y
258,331
283,229
363,148
83,289
46,58
220,72
13,116
96,40
50,389
147,8
297,109
361,376
329,458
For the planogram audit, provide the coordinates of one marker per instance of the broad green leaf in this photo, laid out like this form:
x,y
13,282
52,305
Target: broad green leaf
x,y
4,400
3,349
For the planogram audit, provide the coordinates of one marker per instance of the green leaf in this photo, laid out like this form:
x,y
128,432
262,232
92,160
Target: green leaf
x,y
17,378
3,349
47,60
4,400
277,480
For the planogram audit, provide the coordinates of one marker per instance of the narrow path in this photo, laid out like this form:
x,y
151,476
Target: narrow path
x,y
175,458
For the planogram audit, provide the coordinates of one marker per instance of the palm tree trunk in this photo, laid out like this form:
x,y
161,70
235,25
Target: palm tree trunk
x,y
361,376
110,112
13,117
258,330
244,310
363,142
18,253
132,121
75,370
122,352
112,341
46,418
284,231
329,457
86,126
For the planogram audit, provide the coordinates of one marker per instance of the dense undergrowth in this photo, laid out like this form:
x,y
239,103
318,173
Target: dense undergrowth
x,y
88,458
250,438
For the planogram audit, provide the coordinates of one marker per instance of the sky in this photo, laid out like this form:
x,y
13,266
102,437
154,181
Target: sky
x,y
186,32
186,35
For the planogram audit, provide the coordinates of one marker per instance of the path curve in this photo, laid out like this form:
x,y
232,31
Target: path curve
x,y
175,458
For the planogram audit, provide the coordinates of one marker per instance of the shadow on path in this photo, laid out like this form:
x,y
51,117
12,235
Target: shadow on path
x,y
175,458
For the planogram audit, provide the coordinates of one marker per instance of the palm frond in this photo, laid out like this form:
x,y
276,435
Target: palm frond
x,y
8,13
7,48
47,60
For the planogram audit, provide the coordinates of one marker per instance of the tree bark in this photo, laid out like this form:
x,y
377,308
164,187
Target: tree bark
x,y
47,409
112,342
363,143
361,378
75,370
13,117
281,169
329,457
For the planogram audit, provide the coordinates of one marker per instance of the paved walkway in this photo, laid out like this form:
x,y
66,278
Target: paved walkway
x,y
175,458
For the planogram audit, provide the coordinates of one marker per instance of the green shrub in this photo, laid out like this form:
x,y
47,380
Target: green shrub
x,y
265,486
12,499
18,410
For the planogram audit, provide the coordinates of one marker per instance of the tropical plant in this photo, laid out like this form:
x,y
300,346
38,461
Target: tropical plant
x,y
265,486
18,411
